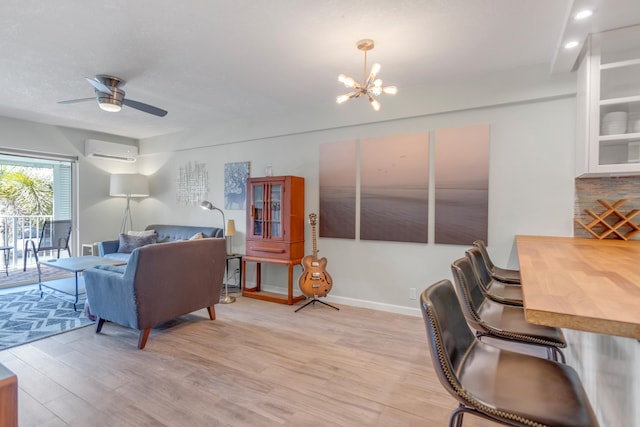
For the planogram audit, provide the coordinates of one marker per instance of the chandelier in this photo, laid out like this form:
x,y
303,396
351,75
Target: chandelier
x,y
371,87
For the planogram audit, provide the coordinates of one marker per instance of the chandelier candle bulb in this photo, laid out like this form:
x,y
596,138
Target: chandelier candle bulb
x,y
375,104
347,81
374,71
390,90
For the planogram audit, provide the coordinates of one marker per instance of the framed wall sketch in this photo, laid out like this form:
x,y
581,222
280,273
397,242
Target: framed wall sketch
x,y
461,184
235,185
394,188
193,183
338,189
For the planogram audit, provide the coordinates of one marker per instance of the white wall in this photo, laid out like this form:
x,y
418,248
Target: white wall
x,y
98,215
532,119
531,191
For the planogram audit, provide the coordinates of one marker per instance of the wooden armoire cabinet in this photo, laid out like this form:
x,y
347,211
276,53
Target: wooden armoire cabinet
x,y
275,217
275,230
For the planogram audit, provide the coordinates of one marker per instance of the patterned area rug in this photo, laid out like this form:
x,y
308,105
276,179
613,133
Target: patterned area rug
x,y
17,277
25,317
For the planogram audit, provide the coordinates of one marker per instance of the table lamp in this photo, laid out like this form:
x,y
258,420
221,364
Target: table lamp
x,y
231,231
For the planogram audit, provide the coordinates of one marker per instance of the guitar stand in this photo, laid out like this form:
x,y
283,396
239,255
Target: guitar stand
x,y
313,301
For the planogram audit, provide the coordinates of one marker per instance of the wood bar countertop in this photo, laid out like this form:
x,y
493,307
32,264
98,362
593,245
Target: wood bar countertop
x,y
586,284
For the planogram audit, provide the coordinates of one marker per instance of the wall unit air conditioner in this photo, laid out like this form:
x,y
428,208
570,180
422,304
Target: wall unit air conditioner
x,y
110,150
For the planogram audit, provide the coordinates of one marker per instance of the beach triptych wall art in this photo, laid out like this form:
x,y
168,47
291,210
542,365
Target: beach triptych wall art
x,y
394,188
390,200
461,185
338,189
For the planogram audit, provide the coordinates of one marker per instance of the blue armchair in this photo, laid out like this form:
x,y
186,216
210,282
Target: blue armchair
x,y
160,282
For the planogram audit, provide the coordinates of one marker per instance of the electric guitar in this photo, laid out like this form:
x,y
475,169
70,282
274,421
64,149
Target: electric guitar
x,y
314,281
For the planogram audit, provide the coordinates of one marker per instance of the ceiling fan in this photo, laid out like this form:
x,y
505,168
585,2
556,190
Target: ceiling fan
x,y
110,97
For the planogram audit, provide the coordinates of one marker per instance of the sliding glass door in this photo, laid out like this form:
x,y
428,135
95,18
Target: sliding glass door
x,y
32,190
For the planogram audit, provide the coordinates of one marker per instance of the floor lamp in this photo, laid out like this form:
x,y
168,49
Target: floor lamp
x,y
128,185
207,205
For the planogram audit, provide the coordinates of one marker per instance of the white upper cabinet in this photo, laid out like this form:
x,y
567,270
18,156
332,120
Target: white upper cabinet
x,y
608,133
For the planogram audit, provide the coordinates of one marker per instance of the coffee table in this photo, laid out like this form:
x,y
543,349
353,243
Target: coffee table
x,y
72,286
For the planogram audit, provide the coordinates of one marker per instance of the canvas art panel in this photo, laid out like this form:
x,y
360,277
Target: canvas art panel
x,y
394,188
338,190
461,184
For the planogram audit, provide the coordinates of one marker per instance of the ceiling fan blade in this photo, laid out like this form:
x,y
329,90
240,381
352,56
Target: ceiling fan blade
x,y
99,86
73,101
145,107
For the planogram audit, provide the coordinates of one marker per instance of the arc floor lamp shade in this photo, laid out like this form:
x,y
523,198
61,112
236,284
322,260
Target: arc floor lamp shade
x,y
128,185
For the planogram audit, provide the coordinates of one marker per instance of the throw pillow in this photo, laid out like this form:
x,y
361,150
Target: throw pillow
x,y
197,236
141,233
128,243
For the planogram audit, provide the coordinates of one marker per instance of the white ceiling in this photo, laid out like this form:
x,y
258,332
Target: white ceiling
x,y
209,61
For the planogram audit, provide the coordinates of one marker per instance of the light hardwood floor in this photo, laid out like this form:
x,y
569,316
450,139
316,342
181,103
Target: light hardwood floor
x,y
258,364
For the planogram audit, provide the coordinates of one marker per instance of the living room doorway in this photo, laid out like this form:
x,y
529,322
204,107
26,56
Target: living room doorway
x,y
33,189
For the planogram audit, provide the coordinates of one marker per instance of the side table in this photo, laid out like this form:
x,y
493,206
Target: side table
x,y
257,292
239,258
89,249
8,397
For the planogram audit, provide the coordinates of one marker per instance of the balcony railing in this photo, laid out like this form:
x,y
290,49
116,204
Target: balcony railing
x,y
16,230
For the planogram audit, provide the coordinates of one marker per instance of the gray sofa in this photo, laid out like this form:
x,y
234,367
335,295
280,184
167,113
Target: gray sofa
x,y
159,283
164,233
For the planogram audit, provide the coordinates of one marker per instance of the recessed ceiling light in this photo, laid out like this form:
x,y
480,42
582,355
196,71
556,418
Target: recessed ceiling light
x,y
571,45
583,14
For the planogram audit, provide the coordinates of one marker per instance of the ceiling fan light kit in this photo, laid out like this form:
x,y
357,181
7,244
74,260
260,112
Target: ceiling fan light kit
x,y
371,87
111,103
110,96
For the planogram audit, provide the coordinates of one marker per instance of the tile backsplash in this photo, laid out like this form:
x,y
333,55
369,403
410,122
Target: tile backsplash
x,y
611,189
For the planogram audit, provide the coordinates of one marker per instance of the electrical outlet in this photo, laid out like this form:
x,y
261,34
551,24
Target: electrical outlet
x,y
412,293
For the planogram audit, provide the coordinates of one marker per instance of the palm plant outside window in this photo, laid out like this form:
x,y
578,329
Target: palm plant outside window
x,y
31,192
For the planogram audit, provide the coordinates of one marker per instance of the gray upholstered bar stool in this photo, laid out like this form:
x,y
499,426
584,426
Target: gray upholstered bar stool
x,y
502,274
510,388
496,290
502,321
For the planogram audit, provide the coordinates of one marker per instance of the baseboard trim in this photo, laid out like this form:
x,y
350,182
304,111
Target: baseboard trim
x,y
354,302
374,305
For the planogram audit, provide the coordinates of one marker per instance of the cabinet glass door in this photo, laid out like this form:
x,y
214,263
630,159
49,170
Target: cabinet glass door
x,y
257,198
275,211
619,97
267,210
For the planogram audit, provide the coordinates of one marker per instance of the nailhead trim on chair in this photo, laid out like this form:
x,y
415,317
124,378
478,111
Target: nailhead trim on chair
x,y
460,391
527,338
498,332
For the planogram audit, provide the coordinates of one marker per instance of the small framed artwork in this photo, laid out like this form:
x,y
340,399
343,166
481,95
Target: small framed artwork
x,y
192,183
235,185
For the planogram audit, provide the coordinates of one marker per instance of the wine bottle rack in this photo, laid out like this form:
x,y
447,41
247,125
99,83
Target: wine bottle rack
x,y
611,222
